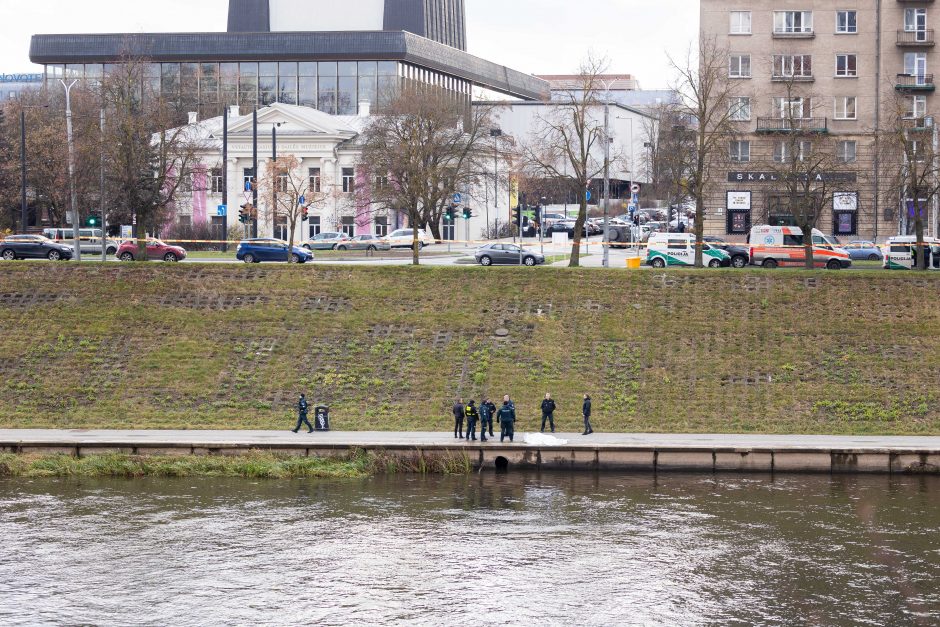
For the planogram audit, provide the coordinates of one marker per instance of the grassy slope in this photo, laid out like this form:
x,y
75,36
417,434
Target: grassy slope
x,y
389,348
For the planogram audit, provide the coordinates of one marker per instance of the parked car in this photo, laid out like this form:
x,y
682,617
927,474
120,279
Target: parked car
x,y
15,247
507,254
678,249
258,250
326,241
404,238
89,239
863,250
365,242
740,255
156,251
567,226
902,253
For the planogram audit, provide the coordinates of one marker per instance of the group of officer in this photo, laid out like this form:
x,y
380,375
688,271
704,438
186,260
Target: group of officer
x,y
506,416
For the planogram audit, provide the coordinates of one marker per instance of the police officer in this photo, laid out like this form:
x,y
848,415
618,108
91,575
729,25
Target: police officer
x,y
586,410
458,418
507,421
548,412
486,418
492,407
472,416
302,409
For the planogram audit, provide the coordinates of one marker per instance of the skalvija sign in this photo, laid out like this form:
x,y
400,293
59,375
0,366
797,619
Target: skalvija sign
x,y
773,177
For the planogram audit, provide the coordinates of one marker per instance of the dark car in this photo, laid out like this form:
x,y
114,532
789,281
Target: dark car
x,y
740,255
507,254
567,226
861,250
258,250
156,251
33,247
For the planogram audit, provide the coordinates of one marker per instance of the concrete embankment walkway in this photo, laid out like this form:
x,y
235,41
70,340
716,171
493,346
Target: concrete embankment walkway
x,y
614,452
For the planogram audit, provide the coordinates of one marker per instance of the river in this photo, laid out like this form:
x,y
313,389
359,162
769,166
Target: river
x,y
579,549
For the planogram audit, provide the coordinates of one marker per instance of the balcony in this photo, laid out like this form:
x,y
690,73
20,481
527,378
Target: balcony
x,y
916,39
915,1
797,78
793,125
793,34
915,83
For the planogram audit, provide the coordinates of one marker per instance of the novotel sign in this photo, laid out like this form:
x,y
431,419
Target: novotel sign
x,y
772,177
21,78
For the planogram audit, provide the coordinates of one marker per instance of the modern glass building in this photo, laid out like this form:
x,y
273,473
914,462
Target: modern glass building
x,y
351,58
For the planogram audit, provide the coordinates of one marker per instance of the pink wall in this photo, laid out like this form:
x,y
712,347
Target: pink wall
x,y
200,191
363,198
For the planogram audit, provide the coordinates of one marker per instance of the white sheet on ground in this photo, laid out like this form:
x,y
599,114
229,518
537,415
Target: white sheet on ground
x,y
540,439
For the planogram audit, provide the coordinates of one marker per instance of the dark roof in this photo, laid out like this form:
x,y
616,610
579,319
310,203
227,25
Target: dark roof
x,y
298,46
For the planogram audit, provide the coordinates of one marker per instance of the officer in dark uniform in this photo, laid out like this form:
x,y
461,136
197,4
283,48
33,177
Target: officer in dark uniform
x,y
492,407
486,418
507,421
548,412
302,409
586,410
458,418
472,416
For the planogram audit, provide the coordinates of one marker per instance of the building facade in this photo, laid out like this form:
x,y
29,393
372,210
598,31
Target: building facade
x,y
12,85
839,68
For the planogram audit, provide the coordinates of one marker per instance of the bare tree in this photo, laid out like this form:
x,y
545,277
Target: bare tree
x,y
671,154
419,152
564,141
911,166
286,181
708,99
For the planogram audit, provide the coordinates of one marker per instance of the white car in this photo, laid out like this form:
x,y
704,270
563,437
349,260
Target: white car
x,y
404,238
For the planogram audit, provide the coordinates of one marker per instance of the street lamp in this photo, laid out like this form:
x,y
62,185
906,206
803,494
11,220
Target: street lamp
x,y
495,133
71,146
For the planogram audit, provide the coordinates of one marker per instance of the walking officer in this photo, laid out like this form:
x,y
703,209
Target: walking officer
x,y
458,418
586,410
472,416
548,412
486,418
507,421
492,407
302,409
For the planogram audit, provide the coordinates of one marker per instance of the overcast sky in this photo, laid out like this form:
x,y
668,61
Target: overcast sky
x,y
535,36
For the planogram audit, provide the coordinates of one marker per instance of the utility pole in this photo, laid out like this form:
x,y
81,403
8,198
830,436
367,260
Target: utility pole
x,y
24,206
71,147
104,215
606,177
274,181
225,178
495,133
254,172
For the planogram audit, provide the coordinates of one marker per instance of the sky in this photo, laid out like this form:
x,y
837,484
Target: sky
x,y
534,36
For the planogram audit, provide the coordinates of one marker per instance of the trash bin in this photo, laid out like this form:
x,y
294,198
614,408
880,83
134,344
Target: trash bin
x,y
321,418
633,263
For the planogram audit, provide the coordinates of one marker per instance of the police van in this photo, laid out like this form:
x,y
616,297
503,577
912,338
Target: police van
x,y
900,253
780,246
678,249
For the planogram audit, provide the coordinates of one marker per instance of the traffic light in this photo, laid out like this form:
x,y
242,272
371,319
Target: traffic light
x,y
92,221
449,215
467,213
517,216
304,214
244,213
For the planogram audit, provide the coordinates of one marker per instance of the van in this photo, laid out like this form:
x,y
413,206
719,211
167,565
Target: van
x,y
899,253
781,246
678,249
89,239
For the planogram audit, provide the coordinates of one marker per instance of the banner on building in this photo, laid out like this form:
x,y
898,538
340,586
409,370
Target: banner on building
x,y
739,201
845,201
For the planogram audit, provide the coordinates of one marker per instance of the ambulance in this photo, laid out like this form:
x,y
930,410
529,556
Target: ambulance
x,y
899,253
782,246
678,249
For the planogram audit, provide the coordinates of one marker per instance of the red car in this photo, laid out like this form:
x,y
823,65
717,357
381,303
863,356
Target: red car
x,y
156,251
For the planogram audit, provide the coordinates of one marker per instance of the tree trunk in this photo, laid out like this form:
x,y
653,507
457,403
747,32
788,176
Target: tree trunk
x,y
699,230
578,230
922,247
290,243
141,235
436,231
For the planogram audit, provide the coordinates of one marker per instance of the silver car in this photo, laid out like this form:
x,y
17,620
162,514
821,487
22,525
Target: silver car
x,y
366,242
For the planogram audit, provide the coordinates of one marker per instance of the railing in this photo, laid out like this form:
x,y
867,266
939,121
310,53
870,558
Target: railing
x,y
915,82
795,78
916,37
792,125
794,34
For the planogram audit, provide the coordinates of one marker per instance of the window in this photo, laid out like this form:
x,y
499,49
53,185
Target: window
x,y
915,64
740,109
349,226
380,182
381,226
740,23
283,182
847,150
314,180
792,240
739,151
677,244
916,107
793,22
915,150
915,20
793,108
846,65
216,180
247,178
315,227
793,66
845,108
739,66
846,22
349,180
783,149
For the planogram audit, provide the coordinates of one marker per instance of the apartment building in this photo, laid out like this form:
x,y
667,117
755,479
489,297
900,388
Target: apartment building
x,y
840,67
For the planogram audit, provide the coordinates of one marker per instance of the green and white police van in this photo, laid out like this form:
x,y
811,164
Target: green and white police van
x,y
900,251
678,249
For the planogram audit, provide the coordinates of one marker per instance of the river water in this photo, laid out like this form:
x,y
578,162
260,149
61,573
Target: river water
x,y
487,549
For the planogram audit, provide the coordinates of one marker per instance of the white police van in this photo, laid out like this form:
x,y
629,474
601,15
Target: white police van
x,y
899,253
678,249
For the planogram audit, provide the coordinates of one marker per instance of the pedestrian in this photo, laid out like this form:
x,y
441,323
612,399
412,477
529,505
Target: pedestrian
x,y
548,412
486,418
302,409
472,416
586,409
492,407
458,418
507,421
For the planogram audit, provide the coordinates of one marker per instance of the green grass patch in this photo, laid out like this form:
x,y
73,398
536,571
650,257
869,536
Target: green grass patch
x,y
195,346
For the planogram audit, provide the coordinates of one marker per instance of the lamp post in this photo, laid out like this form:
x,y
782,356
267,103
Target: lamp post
x,y
71,147
495,133
606,176
104,215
